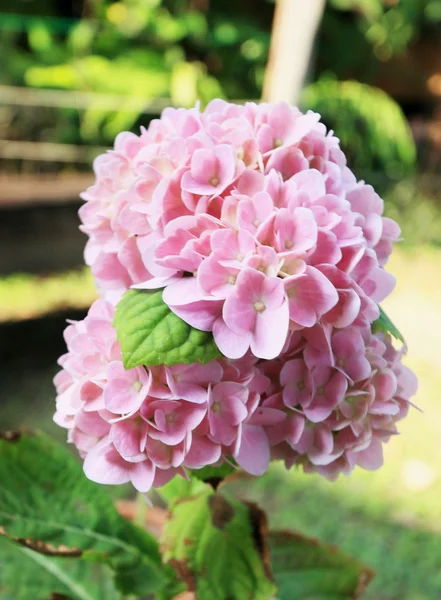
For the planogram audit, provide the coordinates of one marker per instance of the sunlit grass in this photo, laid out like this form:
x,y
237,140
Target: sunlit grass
x,y
29,296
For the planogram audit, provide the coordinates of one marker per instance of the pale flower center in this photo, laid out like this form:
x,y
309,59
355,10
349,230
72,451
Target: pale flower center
x,y
216,407
231,279
340,362
214,181
137,385
170,418
259,306
320,390
278,142
300,386
289,244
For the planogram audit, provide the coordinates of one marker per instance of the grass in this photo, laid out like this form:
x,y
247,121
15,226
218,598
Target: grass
x,y
390,519
29,296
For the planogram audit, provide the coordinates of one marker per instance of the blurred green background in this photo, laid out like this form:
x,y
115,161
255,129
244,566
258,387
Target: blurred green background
x,y
74,74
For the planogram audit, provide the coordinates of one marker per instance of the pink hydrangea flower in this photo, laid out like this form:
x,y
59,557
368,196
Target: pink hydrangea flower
x,y
251,222
231,188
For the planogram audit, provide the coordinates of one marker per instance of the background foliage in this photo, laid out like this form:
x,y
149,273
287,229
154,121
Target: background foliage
x,y
183,50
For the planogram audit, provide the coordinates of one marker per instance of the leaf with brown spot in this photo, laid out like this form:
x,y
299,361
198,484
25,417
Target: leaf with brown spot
x,y
216,545
43,547
259,523
305,568
66,528
221,511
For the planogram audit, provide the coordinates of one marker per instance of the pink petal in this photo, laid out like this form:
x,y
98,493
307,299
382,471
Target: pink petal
x,y
200,315
270,332
142,475
254,453
232,345
202,452
126,437
371,459
121,398
104,465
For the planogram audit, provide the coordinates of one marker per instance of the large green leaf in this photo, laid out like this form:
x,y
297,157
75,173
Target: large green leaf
x,y
29,575
385,325
306,570
47,502
217,546
151,334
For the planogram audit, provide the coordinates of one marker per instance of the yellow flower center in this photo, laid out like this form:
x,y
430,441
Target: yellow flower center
x,y
137,385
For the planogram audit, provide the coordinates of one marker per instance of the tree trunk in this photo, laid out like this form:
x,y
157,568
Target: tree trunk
x,y
294,28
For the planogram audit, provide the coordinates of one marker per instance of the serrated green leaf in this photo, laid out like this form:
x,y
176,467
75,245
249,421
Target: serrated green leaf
x,y
217,547
45,496
179,488
385,325
304,568
151,334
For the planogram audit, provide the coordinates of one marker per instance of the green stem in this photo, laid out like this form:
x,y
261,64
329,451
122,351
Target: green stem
x,y
141,510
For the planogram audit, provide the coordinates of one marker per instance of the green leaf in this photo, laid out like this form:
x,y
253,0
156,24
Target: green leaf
x,y
385,325
305,569
179,488
29,575
151,334
210,472
47,502
218,547
173,587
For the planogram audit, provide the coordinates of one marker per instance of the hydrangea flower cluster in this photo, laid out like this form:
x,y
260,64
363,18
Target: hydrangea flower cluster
x,y
257,231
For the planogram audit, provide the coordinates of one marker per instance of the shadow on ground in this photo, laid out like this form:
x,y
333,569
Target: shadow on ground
x,y
28,362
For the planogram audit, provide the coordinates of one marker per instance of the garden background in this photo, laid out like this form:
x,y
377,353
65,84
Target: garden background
x,y
74,74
